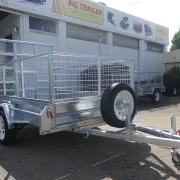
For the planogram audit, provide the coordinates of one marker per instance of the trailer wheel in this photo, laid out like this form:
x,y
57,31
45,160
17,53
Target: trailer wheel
x,y
174,91
113,99
156,97
178,93
7,136
176,161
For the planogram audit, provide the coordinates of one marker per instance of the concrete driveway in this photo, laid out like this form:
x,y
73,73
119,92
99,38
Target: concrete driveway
x,y
69,156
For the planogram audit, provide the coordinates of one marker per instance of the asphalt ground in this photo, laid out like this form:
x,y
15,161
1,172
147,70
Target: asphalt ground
x,y
68,156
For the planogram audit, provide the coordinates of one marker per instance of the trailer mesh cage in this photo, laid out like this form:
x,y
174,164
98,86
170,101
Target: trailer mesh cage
x,y
56,76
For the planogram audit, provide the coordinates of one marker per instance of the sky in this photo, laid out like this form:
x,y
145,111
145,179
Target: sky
x,y
163,12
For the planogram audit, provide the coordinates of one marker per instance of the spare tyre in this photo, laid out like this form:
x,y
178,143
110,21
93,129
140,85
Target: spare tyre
x,y
112,104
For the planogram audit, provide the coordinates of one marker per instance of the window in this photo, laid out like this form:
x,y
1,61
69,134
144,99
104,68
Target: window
x,y
125,41
42,25
85,33
154,47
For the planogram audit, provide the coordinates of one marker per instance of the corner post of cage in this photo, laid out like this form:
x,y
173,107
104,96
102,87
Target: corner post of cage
x,y
4,80
36,67
99,76
22,78
132,73
50,69
15,73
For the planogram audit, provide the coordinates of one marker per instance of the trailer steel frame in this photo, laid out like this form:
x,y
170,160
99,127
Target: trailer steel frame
x,y
166,138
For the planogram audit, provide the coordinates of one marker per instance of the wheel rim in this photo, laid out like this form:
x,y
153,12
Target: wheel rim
x,y
119,108
174,91
2,128
157,96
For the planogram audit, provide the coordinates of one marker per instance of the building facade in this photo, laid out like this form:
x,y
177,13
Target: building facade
x,y
86,27
171,59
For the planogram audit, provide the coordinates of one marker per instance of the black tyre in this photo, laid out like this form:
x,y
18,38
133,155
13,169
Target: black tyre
x,y
176,163
156,97
112,101
174,91
178,88
7,136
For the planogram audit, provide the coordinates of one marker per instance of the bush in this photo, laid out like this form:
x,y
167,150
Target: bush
x,y
172,74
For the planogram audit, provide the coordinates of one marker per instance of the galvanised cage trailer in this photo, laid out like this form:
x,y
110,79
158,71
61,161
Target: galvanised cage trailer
x,y
71,92
149,84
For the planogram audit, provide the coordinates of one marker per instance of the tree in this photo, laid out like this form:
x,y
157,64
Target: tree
x,y
175,41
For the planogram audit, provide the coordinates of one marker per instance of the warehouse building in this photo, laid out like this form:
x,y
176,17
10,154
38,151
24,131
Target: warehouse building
x,y
171,59
86,27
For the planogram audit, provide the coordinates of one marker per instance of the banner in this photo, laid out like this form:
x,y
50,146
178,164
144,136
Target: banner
x,y
57,6
162,33
79,9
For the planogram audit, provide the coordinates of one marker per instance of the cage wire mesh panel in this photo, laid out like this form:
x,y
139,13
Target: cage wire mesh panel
x,y
148,78
115,71
10,77
7,81
68,79
33,78
77,76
